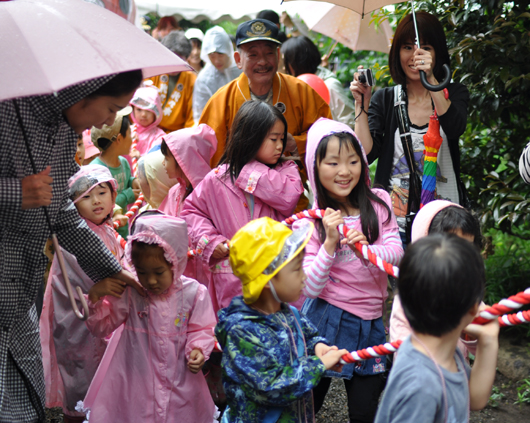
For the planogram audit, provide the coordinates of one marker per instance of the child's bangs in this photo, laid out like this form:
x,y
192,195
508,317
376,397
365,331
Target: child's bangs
x,y
345,140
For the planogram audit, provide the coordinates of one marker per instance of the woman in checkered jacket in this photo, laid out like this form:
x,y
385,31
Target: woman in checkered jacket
x,y
51,124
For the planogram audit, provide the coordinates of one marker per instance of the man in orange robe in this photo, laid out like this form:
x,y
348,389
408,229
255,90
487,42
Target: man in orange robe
x,y
176,90
258,55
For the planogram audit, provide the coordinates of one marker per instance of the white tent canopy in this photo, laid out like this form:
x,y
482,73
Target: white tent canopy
x,y
213,10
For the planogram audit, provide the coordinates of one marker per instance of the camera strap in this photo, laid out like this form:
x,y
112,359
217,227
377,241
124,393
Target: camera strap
x,y
402,116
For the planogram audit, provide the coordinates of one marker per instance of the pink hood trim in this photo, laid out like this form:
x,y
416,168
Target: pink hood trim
x,y
423,219
147,98
320,129
168,232
193,149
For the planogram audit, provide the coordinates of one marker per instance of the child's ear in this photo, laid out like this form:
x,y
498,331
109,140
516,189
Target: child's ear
x,y
114,195
474,309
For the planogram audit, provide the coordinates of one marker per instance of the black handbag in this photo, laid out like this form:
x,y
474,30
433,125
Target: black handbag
x,y
414,200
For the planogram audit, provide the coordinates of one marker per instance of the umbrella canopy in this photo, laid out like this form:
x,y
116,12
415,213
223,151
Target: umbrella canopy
x,y
343,25
48,45
360,6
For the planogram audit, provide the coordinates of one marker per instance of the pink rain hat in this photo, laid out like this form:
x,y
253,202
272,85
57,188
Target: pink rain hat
x,y
90,149
87,178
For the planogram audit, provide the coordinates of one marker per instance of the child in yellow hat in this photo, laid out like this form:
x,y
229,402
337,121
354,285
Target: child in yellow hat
x,y
272,356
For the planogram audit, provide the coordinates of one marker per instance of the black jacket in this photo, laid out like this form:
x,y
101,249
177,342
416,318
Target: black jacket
x,y
383,124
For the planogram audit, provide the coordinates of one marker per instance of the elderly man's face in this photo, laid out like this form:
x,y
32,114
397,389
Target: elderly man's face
x,y
259,61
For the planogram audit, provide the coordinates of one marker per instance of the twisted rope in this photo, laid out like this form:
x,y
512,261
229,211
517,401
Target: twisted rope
x,y
504,306
132,211
363,249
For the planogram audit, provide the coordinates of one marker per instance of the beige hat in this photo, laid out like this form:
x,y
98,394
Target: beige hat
x,y
102,138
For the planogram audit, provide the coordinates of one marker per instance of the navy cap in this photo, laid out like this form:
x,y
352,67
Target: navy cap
x,y
257,30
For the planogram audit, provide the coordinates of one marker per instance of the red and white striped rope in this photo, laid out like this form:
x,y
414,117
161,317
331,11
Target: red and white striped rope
x,y
504,306
371,352
132,211
363,249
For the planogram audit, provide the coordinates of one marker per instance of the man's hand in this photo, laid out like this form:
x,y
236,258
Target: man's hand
x,y
128,278
37,190
290,145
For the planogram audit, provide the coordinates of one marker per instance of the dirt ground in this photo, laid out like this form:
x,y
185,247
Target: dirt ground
x,y
504,410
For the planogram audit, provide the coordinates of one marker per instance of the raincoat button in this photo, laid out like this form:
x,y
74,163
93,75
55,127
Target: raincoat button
x,y
161,343
163,328
164,314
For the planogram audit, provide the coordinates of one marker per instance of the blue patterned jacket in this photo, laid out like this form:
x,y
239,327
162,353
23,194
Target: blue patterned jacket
x,y
261,368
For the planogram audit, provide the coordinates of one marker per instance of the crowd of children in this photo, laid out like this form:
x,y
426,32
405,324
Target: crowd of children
x,y
284,305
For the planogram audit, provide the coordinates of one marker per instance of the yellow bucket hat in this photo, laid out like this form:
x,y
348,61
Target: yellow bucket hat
x,y
261,248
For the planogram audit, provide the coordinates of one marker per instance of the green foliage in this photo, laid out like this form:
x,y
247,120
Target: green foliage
x,y
496,397
507,270
523,392
490,46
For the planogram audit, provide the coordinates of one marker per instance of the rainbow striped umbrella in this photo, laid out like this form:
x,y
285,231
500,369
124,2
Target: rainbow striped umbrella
x,y
432,140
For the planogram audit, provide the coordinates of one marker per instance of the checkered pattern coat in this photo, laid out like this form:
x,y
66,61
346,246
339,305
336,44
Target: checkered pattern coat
x,y
23,234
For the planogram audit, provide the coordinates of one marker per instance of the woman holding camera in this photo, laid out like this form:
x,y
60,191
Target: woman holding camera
x,y
377,124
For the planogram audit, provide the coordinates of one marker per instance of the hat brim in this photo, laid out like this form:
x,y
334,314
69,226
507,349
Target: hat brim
x,y
252,291
250,40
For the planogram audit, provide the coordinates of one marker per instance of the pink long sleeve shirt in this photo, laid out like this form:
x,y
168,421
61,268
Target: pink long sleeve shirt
x,y
344,280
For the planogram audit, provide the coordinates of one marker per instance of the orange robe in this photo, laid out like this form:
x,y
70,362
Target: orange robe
x,y
177,112
303,106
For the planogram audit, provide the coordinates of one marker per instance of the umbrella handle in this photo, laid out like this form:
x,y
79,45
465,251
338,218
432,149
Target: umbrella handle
x,y
442,85
59,255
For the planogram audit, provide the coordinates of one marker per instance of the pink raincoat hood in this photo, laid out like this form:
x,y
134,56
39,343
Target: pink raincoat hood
x,y
320,129
193,149
168,232
87,178
423,220
147,98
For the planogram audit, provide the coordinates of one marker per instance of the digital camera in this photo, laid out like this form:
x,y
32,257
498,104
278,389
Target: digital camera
x,y
366,76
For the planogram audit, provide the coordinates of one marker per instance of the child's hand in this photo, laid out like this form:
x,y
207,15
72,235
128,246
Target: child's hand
x,y
486,334
352,238
121,219
332,219
220,251
135,154
331,360
137,189
107,286
196,361
322,349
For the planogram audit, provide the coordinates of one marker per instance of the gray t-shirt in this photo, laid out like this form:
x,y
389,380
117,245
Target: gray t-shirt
x,y
414,390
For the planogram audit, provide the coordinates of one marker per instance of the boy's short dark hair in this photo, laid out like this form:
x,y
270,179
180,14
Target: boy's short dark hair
x,y
440,278
453,218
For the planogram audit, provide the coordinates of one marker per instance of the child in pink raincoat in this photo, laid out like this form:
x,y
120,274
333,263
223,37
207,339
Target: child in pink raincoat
x,y
438,216
154,374
147,114
252,181
71,354
187,154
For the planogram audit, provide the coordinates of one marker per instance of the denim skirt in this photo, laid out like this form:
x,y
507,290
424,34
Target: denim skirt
x,y
346,330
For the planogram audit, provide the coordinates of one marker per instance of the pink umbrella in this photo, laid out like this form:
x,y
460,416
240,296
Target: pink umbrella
x,y
48,45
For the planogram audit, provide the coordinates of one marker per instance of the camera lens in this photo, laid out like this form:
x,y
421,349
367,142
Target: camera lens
x,y
362,78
